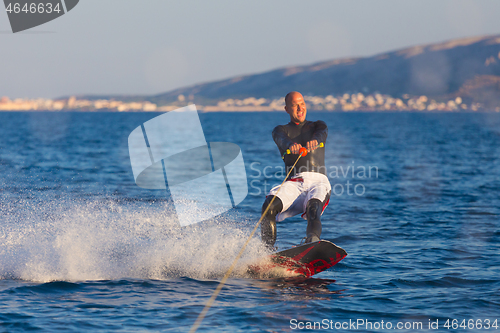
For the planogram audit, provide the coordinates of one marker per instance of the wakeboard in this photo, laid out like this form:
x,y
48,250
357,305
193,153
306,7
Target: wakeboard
x,y
304,260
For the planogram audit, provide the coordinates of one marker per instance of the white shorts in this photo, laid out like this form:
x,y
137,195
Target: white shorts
x,y
297,191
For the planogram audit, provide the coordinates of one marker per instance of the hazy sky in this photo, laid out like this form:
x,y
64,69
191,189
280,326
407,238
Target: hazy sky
x,y
152,46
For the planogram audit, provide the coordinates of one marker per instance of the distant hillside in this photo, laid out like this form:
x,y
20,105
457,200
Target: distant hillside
x,y
435,70
468,68
484,89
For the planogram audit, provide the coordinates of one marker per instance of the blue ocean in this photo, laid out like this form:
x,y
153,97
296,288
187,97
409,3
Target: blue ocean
x,y
415,203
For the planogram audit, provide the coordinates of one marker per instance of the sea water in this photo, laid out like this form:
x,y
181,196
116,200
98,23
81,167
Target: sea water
x,y
415,203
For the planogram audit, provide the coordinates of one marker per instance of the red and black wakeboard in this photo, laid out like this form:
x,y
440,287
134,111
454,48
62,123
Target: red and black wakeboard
x,y
304,260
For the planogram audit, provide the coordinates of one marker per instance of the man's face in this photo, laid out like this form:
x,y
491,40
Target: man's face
x,y
296,108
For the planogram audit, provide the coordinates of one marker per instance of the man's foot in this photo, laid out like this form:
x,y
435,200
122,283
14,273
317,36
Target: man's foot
x,y
312,239
270,247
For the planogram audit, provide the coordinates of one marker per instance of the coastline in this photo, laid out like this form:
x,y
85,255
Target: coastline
x,y
341,103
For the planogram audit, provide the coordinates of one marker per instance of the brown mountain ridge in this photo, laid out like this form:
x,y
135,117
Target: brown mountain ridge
x,y
468,67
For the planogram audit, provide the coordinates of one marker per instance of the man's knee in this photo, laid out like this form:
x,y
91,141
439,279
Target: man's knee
x,y
268,226
275,207
314,209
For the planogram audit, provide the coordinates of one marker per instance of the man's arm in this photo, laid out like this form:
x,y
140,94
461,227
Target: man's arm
x,y
282,139
320,131
320,135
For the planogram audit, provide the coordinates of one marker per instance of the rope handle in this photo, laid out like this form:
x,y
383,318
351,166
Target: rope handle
x,y
288,152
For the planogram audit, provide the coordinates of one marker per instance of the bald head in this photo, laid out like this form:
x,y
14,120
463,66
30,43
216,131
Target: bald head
x,y
295,107
291,95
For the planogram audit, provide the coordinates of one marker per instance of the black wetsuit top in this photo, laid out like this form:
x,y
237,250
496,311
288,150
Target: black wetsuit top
x,y
291,133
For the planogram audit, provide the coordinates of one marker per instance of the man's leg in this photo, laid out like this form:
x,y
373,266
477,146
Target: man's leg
x,y
313,211
318,197
268,224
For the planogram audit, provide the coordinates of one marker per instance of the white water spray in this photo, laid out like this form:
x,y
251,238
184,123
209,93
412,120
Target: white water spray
x,y
77,241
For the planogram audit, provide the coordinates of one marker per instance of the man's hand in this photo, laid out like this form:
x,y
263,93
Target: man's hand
x,y
312,145
295,148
